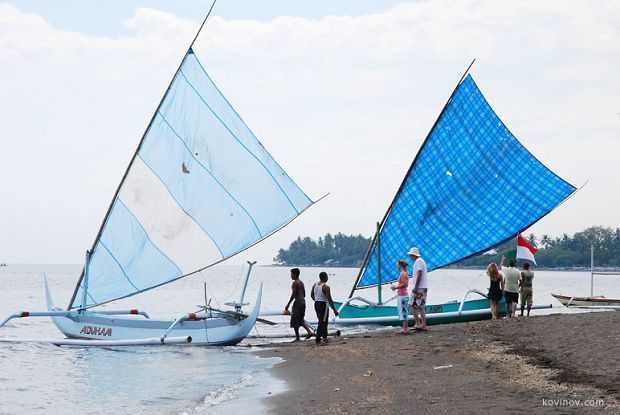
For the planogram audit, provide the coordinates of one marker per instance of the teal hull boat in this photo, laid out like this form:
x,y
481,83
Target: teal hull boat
x,y
445,313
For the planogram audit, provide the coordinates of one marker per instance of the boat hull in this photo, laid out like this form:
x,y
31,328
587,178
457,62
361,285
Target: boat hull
x,y
446,313
569,301
217,331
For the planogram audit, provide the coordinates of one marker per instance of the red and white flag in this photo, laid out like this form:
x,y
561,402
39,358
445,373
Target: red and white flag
x,y
525,250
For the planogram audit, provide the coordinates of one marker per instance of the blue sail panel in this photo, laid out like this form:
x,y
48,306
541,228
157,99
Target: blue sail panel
x,y
201,189
471,187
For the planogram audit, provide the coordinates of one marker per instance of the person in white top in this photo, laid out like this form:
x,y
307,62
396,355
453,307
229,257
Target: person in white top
x,y
321,294
417,301
511,286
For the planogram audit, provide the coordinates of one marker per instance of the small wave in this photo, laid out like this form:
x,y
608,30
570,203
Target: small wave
x,y
224,394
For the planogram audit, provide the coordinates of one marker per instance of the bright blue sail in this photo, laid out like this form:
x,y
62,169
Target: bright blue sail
x,y
201,189
471,187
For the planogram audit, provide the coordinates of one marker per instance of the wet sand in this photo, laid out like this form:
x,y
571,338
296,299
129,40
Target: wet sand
x,y
540,364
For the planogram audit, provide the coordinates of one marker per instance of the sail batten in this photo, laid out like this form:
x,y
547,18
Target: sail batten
x,y
471,187
200,189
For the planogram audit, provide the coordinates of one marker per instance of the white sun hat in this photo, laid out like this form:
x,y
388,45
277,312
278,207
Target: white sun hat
x,y
414,251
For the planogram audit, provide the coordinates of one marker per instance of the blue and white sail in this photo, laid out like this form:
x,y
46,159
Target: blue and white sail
x,y
201,189
471,187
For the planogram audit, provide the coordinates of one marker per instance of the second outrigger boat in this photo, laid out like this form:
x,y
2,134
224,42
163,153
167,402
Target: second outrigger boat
x,y
471,187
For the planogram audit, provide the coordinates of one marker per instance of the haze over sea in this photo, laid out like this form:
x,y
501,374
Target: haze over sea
x,y
39,379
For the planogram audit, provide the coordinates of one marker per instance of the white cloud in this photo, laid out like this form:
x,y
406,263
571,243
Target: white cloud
x,y
342,102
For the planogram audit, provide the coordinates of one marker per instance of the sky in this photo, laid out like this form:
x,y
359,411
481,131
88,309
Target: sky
x,y
341,93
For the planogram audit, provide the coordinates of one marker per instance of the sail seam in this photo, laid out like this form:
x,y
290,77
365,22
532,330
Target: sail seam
x,y
119,265
181,206
210,173
246,126
238,141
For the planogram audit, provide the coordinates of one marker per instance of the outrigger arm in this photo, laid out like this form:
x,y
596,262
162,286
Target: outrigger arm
x,y
56,312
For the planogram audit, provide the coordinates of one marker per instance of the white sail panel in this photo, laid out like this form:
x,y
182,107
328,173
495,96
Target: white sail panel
x,y
200,189
172,230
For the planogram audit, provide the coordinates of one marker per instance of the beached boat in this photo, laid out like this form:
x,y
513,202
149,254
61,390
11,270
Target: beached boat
x,y
445,313
591,301
471,187
571,301
199,189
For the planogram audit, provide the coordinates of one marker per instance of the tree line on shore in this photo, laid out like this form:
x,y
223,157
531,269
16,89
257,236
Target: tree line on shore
x,y
333,250
553,252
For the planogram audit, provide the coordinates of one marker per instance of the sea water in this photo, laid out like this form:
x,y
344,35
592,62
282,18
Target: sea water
x,y
41,379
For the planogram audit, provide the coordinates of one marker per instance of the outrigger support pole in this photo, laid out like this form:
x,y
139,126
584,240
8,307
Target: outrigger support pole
x,y
64,313
240,304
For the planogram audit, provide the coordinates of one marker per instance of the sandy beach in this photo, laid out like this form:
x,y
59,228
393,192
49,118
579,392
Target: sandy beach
x,y
544,364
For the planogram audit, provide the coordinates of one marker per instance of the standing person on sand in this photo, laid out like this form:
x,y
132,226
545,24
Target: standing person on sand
x,y
402,291
526,288
298,295
495,290
417,302
511,286
321,294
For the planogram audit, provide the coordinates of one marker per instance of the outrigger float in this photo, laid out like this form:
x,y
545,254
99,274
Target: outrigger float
x,y
199,189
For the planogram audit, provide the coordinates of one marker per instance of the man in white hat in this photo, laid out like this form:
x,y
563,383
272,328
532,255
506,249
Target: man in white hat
x,y
417,302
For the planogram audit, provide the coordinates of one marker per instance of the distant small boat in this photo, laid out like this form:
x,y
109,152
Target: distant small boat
x,y
591,301
3,265
601,301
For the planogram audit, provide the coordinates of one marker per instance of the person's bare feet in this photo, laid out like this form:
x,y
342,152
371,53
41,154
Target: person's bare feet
x,y
297,339
308,336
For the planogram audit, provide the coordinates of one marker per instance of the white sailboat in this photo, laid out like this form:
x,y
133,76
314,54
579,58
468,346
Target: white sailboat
x,y
590,301
199,189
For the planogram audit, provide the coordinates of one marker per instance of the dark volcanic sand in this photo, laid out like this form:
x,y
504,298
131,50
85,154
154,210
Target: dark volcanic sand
x,y
511,366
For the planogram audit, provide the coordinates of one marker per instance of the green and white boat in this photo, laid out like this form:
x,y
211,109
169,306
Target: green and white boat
x,y
471,187
445,313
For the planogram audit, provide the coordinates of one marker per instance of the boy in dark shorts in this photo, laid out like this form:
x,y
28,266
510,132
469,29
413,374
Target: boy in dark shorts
x,y
298,298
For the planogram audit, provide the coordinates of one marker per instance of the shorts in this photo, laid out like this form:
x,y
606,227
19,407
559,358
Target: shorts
x,y
401,304
298,313
526,295
418,300
511,297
